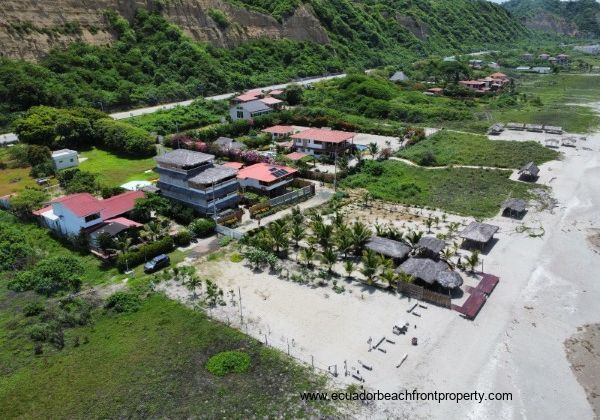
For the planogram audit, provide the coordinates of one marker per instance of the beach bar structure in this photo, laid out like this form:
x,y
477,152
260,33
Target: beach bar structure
x,y
478,233
431,246
529,172
569,141
430,271
553,143
395,250
515,126
537,128
496,129
552,129
514,207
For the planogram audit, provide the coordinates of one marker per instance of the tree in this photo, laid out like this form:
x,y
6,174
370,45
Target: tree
x,y
156,229
473,260
360,235
407,278
413,237
279,234
151,202
203,227
50,276
37,155
294,94
105,241
74,180
298,233
27,201
348,267
370,261
329,258
323,234
344,240
37,126
307,255
373,149
428,223
389,276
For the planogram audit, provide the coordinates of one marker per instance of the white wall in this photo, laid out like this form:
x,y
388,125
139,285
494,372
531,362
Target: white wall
x,y
70,224
66,160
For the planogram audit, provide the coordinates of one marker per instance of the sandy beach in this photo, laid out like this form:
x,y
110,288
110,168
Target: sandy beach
x,y
548,290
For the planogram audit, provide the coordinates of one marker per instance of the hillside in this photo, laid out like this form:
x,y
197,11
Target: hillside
x,y
580,17
29,29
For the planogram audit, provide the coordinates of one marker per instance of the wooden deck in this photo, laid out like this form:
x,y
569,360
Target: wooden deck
x,y
478,295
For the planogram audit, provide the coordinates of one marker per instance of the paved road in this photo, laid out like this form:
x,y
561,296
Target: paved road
x,y
11,137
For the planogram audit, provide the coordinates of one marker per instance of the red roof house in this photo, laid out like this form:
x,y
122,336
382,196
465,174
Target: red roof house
x,y
266,177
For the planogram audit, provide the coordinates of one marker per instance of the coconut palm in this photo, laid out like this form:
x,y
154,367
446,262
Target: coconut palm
x,y
447,254
370,261
279,234
389,276
298,233
192,284
429,223
414,237
297,216
349,267
123,243
155,229
323,234
329,258
360,235
307,255
338,219
373,149
344,240
407,278
473,260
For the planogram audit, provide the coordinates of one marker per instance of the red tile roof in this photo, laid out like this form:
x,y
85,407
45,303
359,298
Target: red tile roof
x,y
270,101
279,129
82,204
499,76
125,222
277,92
119,204
325,136
264,172
247,97
296,156
234,165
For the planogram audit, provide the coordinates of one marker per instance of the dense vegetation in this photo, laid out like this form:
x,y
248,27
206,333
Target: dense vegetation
x,y
448,147
152,62
583,14
472,192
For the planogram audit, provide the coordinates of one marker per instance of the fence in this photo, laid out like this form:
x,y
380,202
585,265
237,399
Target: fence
x,y
232,233
421,293
233,217
293,196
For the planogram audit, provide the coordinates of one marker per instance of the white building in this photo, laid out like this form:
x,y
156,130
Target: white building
x,y
266,178
323,142
65,158
253,104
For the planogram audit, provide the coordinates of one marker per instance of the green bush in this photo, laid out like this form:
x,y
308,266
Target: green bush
x,y
121,137
144,253
33,309
203,227
123,302
236,258
227,362
50,276
182,238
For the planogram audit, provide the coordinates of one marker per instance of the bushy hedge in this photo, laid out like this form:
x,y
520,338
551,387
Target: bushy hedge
x,y
123,302
144,253
183,238
124,138
203,227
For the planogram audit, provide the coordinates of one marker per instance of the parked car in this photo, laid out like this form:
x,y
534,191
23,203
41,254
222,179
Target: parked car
x,y
157,263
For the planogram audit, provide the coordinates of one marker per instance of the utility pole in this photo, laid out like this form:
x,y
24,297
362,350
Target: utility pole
x,y
240,297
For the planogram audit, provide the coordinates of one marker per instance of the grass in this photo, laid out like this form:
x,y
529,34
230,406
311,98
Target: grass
x,y
13,179
151,363
450,147
116,170
469,192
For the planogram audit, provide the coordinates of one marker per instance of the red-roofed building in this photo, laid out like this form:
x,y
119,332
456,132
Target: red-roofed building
x,y
281,131
266,178
436,91
234,165
71,214
323,142
296,156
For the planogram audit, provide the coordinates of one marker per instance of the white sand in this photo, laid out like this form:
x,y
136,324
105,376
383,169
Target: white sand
x,y
549,286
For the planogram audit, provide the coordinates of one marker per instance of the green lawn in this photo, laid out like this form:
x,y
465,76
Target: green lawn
x,y
116,170
13,179
151,363
448,147
472,192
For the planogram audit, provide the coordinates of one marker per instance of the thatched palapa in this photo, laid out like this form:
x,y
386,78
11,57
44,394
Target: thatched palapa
x,y
514,205
530,169
478,232
431,244
388,247
450,279
423,268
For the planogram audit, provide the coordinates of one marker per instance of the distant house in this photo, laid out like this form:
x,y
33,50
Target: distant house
x,y
435,91
226,143
253,104
279,132
323,142
65,158
476,64
399,76
493,65
265,178
476,85
523,68
562,59
72,214
527,57
544,57
193,179
542,70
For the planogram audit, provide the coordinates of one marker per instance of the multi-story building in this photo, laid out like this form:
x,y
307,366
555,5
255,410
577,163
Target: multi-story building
x,y
193,179
323,142
265,178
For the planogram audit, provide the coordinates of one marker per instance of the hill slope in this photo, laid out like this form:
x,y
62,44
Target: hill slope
x,y
580,17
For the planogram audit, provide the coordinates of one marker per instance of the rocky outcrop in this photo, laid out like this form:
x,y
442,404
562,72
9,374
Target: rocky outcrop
x,y
549,22
30,28
417,28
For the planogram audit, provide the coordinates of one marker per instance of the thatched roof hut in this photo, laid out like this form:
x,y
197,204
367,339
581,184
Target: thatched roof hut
x,y
530,170
478,232
399,76
551,142
569,141
431,244
449,279
423,268
388,247
514,205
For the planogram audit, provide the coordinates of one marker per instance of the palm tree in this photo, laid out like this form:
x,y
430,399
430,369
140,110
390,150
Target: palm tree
x,y
329,258
414,237
389,276
279,234
307,255
373,149
407,278
192,283
338,219
360,234
473,260
370,261
155,229
298,233
429,223
447,253
297,216
349,268
366,198
344,240
123,243
323,234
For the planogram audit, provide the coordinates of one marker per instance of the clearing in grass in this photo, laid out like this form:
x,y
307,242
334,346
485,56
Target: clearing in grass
x,y
115,170
465,191
453,148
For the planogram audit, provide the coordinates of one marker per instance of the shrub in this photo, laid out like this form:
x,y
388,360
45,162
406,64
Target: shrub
x,y
124,138
182,238
39,332
144,253
227,362
219,17
50,276
123,302
203,227
236,258
33,309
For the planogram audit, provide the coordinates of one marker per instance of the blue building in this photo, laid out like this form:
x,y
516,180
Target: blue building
x,y
193,178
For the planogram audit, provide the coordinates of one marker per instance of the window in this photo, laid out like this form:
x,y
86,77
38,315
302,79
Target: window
x,y
71,160
317,142
240,114
92,217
